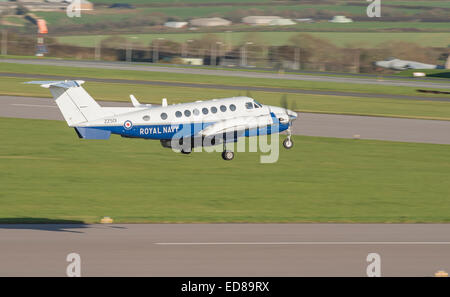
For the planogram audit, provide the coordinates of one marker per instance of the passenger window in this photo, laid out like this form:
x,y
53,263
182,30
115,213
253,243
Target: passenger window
x,y
164,116
196,112
213,109
249,105
205,110
187,113
232,107
146,118
223,108
178,114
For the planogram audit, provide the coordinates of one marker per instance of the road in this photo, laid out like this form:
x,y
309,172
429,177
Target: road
x,y
311,124
225,249
442,84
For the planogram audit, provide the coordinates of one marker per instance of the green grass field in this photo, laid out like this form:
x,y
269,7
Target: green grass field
x,y
436,73
360,39
46,172
224,10
171,1
432,3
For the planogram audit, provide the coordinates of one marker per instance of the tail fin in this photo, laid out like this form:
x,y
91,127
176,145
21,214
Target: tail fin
x,y
76,105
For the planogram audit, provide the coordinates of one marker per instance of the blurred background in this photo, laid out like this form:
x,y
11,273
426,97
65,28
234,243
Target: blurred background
x,y
288,35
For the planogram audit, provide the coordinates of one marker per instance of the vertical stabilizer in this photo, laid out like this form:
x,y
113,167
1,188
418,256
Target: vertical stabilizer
x,y
76,105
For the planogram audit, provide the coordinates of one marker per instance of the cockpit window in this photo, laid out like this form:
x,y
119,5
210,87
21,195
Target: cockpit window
x,y
249,105
257,103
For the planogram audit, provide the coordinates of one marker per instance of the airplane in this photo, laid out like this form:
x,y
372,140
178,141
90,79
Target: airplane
x,y
397,64
177,126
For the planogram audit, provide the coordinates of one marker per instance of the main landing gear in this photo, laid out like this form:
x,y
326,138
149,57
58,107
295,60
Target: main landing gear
x,y
288,143
227,155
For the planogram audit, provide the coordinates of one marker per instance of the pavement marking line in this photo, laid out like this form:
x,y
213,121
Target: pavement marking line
x,y
312,243
33,105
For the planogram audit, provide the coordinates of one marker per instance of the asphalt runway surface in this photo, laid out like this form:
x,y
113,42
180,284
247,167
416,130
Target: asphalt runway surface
x,y
310,124
225,249
442,84
223,87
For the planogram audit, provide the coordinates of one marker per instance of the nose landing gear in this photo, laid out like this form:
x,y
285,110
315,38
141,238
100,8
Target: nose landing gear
x,y
288,143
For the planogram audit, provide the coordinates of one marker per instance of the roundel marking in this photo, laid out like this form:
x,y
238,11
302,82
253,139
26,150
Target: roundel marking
x,y
128,125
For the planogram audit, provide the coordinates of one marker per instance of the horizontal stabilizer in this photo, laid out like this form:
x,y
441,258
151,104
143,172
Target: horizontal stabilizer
x,y
66,84
92,133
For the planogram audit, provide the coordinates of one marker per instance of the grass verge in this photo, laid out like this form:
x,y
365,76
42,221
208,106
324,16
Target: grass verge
x,y
47,173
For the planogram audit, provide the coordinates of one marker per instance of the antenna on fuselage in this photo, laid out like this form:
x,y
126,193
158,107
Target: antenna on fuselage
x,y
164,102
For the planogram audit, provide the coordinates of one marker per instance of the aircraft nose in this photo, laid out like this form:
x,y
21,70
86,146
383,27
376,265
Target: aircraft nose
x,y
292,114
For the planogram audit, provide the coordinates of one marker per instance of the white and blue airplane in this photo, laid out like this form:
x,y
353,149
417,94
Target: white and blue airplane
x,y
397,64
175,126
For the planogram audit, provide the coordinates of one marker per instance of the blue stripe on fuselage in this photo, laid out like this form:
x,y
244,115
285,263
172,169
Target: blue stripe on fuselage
x,y
168,131
176,131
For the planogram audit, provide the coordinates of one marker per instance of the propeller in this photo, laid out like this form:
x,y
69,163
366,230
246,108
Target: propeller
x,y
294,105
284,104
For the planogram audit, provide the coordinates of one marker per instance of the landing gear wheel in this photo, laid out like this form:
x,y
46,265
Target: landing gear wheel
x,y
228,155
185,152
288,143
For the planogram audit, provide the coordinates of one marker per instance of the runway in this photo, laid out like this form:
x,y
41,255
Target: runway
x,y
225,249
310,124
442,84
